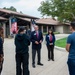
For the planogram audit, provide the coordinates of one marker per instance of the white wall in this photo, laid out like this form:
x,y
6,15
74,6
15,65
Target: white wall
x,y
66,29
59,29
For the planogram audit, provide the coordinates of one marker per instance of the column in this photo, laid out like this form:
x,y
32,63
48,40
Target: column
x,y
10,26
47,28
4,28
42,29
32,24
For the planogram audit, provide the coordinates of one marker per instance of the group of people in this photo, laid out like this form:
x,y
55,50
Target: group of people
x,y
22,42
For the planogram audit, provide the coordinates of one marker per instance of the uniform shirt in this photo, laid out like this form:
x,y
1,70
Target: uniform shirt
x,y
34,38
71,41
37,34
22,42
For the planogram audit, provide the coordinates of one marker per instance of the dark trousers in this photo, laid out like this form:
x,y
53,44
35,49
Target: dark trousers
x,y
22,64
50,51
71,66
34,55
1,66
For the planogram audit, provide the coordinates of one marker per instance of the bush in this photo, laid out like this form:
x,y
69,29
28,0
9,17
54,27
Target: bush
x,y
44,33
54,33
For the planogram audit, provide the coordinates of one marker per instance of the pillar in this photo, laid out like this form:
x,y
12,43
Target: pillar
x,y
42,29
47,28
4,28
10,26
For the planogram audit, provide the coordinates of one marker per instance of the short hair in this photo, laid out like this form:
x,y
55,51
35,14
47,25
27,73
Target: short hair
x,y
36,26
73,25
21,29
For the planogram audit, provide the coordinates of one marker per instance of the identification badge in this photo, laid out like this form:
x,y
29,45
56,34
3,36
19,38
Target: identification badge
x,y
35,34
48,36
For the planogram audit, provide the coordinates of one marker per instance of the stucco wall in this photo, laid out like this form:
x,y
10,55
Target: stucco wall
x,y
66,29
59,29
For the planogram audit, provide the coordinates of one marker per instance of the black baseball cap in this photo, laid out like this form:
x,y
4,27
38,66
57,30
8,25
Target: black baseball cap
x,y
21,29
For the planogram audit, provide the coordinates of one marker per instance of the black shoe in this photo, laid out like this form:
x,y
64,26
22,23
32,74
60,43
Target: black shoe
x,y
40,64
48,59
33,66
52,59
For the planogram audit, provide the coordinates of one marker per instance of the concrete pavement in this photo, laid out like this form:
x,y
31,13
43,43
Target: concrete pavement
x,y
58,67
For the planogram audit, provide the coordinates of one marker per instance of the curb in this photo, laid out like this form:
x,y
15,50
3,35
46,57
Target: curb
x,y
60,48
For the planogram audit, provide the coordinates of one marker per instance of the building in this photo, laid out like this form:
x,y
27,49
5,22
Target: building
x,y
48,23
11,14
25,20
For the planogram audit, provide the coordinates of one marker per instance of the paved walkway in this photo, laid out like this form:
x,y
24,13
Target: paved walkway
x,y
59,36
58,67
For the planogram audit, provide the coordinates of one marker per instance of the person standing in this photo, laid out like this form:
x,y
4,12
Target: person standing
x,y
1,49
50,42
70,47
22,56
36,39
28,32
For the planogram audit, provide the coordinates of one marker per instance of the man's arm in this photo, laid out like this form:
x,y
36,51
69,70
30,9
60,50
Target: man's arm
x,y
41,37
31,38
69,40
67,47
54,38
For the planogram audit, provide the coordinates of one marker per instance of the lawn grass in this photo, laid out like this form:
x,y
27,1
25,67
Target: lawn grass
x,y
61,42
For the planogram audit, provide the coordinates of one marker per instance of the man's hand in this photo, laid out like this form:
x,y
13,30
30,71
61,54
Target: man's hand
x,y
36,42
40,41
51,43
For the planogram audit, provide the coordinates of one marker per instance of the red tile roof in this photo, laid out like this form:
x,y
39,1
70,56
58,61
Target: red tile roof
x,y
48,21
16,13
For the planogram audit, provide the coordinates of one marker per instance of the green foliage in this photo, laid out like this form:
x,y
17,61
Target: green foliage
x,y
61,42
11,8
0,24
54,33
63,9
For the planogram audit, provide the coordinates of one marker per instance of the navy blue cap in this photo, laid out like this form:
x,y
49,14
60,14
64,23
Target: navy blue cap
x,y
21,29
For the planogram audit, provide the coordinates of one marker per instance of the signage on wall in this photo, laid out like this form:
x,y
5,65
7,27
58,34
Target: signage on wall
x,y
13,25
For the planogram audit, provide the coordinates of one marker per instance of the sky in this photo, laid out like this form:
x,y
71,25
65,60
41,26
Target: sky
x,y
28,7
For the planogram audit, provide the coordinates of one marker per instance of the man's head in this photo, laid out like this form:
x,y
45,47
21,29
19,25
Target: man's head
x,y
36,28
72,26
21,30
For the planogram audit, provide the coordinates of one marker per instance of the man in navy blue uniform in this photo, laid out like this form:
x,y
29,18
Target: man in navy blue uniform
x,y
22,42
36,39
70,47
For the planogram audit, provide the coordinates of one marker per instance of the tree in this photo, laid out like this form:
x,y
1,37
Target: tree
x,y
64,10
11,8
